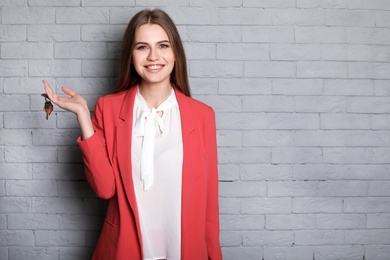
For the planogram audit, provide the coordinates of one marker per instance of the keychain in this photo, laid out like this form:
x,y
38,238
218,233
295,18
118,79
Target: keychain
x,y
48,107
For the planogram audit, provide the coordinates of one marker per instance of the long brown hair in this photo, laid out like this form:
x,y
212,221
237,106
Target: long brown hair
x,y
127,75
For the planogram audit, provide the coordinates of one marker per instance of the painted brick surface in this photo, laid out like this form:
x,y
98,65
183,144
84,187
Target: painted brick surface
x,y
301,90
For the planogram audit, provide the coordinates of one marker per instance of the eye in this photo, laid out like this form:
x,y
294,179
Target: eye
x,y
141,47
164,46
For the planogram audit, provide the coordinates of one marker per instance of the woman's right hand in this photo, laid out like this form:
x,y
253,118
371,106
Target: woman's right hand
x,y
75,103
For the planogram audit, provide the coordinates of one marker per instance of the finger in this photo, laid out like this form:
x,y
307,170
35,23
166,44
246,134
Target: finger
x,y
69,92
48,90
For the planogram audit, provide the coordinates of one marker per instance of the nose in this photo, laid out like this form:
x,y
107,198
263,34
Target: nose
x,y
153,54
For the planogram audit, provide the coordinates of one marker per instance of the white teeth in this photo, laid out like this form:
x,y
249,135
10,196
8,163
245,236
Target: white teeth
x,y
154,67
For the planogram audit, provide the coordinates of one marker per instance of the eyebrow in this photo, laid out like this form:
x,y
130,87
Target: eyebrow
x,y
159,42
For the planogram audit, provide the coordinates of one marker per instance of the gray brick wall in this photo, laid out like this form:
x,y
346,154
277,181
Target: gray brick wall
x,y
301,90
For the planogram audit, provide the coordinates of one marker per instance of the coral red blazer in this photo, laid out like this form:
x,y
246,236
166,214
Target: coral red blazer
x,y
107,160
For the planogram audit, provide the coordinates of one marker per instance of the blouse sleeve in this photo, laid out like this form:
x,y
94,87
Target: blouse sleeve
x,y
212,217
98,168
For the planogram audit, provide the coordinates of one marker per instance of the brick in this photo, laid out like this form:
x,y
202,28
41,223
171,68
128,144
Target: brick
x,y
54,3
242,222
381,155
270,69
343,188
355,18
81,50
30,15
337,52
247,16
58,171
122,15
214,33
322,69
320,104
300,87
105,3
369,70
294,252
320,138
344,121
10,68
13,3
296,155
229,205
55,137
295,52
326,4
57,205
367,205
229,138
265,172
298,17
31,188
378,188
368,138
245,86
99,68
378,105
80,222
70,253
382,19
200,51
29,120
228,172
292,189
15,205
12,33
14,103
347,155
30,154
74,188
241,121
82,15
69,154
85,86
231,253
263,34
15,137
191,16
32,221
378,221
241,189
216,3
268,104
3,221
316,34
64,68
204,86
102,33
59,238
368,35
358,87
230,238
27,51
244,155
382,87
265,206
341,221
268,138
380,53
374,4
377,252
243,51
291,121
268,238
24,86
269,3
216,69
319,237
379,122
15,171
16,238
366,237
290,222
41,253
53,33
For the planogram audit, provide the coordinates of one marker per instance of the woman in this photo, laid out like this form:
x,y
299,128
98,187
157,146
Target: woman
x,y
151,150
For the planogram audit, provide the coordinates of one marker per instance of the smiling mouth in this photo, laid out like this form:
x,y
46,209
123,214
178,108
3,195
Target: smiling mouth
x,y
154,67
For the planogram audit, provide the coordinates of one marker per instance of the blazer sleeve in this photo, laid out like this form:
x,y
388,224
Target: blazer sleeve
x,y
212,211
98,168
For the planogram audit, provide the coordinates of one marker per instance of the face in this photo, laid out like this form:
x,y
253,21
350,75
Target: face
x,y
153,56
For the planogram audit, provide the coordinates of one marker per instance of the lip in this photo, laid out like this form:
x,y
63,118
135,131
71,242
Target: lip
x,y
154,67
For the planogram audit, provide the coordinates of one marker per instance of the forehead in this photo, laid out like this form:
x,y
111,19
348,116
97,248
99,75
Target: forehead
x,y
150,33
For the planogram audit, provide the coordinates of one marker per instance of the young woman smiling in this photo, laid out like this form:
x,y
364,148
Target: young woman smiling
x,y
151,150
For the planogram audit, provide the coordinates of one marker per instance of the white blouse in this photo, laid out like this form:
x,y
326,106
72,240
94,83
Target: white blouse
x,y
157,160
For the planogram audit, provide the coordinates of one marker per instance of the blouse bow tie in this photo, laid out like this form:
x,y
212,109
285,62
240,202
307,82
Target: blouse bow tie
x,y
150,126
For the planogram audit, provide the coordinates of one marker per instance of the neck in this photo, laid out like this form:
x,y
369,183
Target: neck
x,y
154,95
